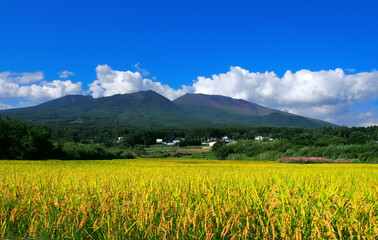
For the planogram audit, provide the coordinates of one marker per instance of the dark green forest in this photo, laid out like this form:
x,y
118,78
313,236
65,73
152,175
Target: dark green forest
x,y
357,148
26,142
23,141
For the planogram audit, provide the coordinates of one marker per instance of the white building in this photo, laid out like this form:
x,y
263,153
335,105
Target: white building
x,y
227,140
260,138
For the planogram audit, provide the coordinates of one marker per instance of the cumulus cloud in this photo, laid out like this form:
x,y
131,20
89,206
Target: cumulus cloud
x,y
302,87
22,78
18,85
110,82
321,94
65,74
50,90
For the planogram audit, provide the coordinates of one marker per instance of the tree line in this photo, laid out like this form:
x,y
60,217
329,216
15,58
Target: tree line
x,y
22,141
27,142
358,146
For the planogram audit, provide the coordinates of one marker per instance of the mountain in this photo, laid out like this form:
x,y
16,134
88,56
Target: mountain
x,y
146,108
149,109
223,110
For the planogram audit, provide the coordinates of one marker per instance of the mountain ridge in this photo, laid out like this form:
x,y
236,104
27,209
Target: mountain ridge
x,y
150,109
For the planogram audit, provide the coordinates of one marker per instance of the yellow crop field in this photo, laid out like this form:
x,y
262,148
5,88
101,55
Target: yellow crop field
x,y
187,199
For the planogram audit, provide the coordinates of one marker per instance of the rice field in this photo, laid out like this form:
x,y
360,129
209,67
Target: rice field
x,y
187,199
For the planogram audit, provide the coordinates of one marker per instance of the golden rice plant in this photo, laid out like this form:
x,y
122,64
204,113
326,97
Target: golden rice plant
x,y
187,199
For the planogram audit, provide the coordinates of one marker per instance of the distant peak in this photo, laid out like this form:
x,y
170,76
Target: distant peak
x,y
145,92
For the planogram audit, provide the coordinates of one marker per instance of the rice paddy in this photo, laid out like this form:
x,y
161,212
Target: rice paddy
x,y
187,199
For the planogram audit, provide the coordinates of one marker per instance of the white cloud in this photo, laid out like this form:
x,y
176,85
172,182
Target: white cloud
x,y
366,114
65,74
110,82
50,90
21,78
18,85
302,87
5,106
322,94
372,122
144,72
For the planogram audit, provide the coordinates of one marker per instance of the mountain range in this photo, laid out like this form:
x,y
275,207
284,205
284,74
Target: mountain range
x,y
149,109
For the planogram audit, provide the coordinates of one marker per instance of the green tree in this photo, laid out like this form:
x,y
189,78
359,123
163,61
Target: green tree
x,y
358,137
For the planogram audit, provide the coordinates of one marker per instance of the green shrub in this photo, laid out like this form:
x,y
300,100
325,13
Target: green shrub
x,y
236,156
76,151
127,155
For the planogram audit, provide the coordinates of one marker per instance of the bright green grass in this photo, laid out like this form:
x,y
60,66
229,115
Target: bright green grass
x,y
192,199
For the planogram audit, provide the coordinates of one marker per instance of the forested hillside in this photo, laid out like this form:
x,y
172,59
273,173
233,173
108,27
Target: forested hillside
x,y
22,141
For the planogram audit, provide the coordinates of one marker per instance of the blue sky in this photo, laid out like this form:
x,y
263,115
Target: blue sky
x,y
176,43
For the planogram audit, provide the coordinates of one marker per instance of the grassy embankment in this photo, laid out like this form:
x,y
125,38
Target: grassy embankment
x,y
193,199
